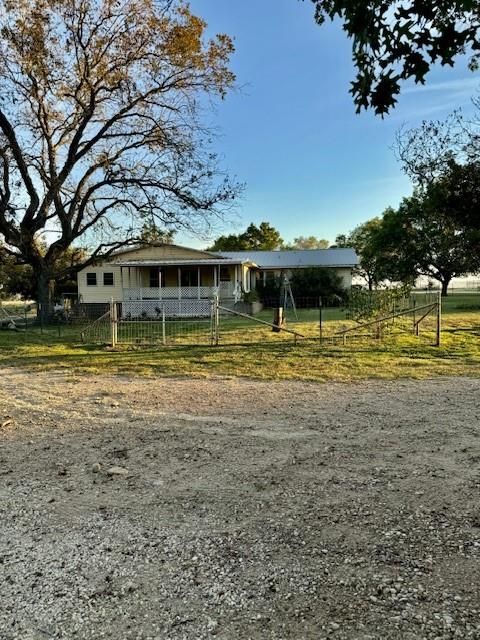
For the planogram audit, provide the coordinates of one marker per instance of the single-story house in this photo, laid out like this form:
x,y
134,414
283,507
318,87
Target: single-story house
x,y
284,263
178,280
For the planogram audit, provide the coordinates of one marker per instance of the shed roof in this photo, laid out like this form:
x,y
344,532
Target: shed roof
x,y
295,259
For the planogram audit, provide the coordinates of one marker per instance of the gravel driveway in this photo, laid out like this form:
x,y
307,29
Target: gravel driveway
x,y
157,509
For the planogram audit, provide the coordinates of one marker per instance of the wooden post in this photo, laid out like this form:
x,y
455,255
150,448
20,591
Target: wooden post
x,y
439,320
414,328
179,282
198,282
278,319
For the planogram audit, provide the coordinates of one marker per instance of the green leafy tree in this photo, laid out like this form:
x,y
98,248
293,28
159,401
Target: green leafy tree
x,y
308,242
152,234
341,242
100,126
396,40
261,238
422,238
19,279
364,239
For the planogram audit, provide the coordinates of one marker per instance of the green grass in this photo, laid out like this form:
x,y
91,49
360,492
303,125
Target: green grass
x,y
255,351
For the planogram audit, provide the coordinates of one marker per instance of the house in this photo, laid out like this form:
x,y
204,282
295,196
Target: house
x,y
180,281
152,279
285,263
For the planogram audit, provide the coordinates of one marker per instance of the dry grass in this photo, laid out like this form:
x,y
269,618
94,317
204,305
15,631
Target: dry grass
x,y
256,352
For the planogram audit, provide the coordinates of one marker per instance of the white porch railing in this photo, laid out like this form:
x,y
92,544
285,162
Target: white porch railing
x,y
226,290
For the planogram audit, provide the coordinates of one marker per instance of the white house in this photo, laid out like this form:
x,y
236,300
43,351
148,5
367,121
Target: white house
x,y
177,280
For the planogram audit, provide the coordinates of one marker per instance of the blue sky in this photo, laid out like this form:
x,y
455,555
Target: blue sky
x,y
311,165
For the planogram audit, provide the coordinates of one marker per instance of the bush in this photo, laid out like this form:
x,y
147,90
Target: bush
x,y
317,282
269,291
364,305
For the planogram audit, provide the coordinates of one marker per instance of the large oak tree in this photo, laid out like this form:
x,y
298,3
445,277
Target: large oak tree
x,y
100,125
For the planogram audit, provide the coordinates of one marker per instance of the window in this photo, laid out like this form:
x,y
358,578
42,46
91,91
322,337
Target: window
x,y
156,277
108,279
224,274
189,278
92,279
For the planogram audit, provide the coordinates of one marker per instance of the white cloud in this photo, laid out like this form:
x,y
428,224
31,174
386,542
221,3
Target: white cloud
x,y
459,86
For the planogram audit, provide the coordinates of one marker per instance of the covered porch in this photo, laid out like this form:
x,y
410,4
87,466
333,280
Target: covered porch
x,y
145,281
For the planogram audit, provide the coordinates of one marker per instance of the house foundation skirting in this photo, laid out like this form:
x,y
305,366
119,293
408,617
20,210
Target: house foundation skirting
x,y
155,309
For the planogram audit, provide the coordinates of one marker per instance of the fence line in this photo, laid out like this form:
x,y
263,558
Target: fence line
x,y
224,325
380,321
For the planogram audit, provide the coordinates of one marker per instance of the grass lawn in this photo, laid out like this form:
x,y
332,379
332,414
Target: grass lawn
x,y
256,352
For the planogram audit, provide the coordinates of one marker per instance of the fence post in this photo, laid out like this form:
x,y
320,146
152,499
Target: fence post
x,y
212,321
414,327
320,328
214,315
164,336
113,323
217,321
439,319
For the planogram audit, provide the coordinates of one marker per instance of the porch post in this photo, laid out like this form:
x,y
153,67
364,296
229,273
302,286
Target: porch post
x,y
159,283
198,281
179,281
121,280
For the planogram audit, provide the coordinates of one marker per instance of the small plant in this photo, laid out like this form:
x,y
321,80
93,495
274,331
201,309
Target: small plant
x,y
250,296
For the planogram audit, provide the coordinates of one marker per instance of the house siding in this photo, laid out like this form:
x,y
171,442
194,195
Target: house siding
x,y
100,293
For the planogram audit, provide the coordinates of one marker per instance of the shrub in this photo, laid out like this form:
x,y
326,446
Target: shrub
x,y
318,282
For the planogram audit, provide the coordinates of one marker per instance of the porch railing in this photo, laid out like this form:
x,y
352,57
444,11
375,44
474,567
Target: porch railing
x,y
226,290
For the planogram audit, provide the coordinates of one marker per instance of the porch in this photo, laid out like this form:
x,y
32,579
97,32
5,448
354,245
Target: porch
x,y
150,290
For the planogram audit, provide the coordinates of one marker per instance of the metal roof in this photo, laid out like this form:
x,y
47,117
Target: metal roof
x,y
295,259
197,263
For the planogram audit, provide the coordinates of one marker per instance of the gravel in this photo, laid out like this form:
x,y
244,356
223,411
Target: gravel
x,y
138,508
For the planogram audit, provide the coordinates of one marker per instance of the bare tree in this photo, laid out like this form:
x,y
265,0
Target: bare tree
x,y
100,125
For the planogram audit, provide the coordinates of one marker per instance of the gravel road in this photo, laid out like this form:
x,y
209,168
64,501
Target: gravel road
x,y
135,508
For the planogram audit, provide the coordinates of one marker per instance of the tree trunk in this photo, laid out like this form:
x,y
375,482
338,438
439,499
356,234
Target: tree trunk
x,y
44,297
445,282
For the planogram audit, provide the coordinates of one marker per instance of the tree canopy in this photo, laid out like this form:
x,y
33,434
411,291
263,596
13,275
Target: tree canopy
x,y
422,238
364,240
100,127
308,242
445,156
262,238
394,40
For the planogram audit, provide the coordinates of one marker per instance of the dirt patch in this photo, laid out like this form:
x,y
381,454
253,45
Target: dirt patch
x,y
242,509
